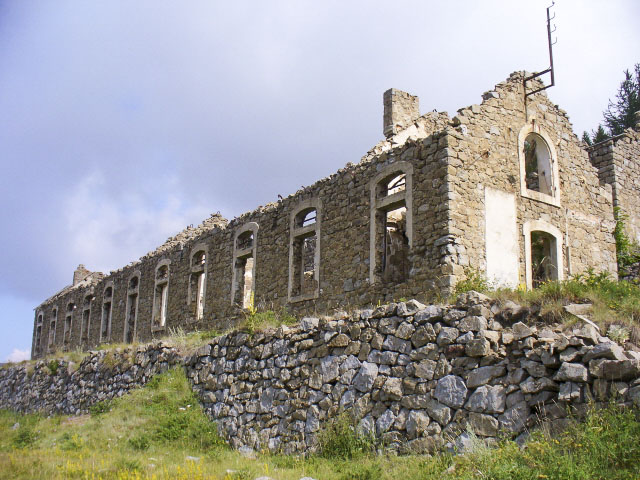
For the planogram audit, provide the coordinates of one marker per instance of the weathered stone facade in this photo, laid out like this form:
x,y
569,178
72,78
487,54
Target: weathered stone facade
x,y
416,376
437,196
618,162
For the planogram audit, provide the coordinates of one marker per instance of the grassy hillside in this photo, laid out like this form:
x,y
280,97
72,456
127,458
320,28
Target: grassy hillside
x,y
160,432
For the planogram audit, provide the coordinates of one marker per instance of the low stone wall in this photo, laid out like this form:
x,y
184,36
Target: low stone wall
x,y
419,377
65,387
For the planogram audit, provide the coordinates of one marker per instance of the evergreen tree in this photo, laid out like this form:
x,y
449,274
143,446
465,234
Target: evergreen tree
x,y
620,114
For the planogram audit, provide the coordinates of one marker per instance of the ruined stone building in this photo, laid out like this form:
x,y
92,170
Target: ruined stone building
x,y
504,188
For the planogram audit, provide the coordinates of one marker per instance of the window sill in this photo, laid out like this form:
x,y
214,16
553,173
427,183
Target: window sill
x,y
302,298
158,328
541,197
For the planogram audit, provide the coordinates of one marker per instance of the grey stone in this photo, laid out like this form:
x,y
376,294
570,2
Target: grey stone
x,y
439,412
472,324
534,369
429,313
417,423
571,372
423,335
393,388
396,344
384,422
608,350
425,369
406,309
520,331
309,323
478,347
483,425
451,390
569,392
365,378
515,417
405,330
615,369
483,375
447,336
487,399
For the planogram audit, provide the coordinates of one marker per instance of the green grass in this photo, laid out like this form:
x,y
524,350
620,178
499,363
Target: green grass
x,y
156,431
613,302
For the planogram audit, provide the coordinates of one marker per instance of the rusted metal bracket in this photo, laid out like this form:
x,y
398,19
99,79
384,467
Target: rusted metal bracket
x,y
550,69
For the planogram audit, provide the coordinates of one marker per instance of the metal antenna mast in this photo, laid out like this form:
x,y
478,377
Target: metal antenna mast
x,y
551,44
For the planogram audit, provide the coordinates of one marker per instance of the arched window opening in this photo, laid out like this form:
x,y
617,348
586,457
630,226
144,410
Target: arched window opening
x,y
244,266
544,261
391,224
131,311
38,339
197,284
538,169
68,323
86,320
105,322
304,262
160,297
52,327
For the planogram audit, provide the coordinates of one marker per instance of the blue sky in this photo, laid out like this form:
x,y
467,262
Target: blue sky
x,y
121,122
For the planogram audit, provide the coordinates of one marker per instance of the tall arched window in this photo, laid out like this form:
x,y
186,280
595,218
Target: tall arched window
x,y
197,282
391,223
86,320
52,326
38,336
160,296
68,324
107,307
244,265
304,251
539,177
131,313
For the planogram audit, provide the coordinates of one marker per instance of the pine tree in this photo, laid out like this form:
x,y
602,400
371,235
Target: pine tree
x,y
620,114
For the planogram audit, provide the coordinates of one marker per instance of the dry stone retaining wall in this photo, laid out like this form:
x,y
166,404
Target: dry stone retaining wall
x,y
418,377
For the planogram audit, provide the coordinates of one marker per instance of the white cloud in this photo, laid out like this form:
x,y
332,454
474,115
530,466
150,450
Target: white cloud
x,y
107,230
18,355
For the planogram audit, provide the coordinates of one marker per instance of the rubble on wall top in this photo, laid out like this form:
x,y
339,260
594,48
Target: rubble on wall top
x,y
89,281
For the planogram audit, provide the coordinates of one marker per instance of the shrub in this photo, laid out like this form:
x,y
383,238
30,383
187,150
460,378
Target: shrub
x,y
53,366
24,438
99,408
475,280
341,439
140,442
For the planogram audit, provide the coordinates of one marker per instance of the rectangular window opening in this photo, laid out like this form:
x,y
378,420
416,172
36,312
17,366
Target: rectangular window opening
x,y
106,321
132,305
394,246
85,324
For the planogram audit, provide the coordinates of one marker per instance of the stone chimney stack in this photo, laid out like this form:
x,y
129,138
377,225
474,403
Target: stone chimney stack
x,y
80,274
636,127
401,109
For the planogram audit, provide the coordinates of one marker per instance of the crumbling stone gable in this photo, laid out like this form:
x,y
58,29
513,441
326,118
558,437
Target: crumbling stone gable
x,y
451,166
483,146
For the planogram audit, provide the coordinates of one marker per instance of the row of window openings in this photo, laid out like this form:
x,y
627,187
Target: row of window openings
x,y
392,251
394,267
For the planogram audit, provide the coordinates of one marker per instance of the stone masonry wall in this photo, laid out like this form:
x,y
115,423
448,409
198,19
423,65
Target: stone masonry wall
x,y
452,161
485,153
72,388
344,200
618,162
418,377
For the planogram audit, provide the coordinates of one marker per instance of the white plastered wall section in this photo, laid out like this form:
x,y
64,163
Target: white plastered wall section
x,y
501,238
